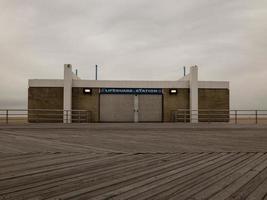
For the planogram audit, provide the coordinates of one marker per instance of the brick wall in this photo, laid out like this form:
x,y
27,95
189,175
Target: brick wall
x,y
214,99
81,101
52,98
45,98
172,102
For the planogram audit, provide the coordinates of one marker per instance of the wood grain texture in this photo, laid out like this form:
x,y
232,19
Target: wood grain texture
x,y
125,161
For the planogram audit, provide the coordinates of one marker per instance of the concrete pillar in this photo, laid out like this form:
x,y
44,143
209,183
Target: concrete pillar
x,y
67,104
194,94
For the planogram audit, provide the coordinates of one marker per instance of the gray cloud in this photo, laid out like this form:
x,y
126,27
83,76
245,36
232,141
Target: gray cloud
x,y
138,39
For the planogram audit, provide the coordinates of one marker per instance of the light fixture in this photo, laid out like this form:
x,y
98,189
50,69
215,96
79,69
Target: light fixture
x,y
173,91
87,90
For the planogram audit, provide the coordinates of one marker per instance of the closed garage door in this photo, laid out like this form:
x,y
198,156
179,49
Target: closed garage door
x,y
116,108
150,108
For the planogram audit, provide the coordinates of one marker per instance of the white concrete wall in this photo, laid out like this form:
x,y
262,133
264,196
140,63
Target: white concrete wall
x,y
129,84
194,94
75,77
214,84
46,83
185,78
67,104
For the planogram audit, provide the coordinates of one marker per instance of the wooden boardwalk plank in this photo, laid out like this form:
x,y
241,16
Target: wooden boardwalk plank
x,y
132,161
259,193
56,168
36,159
50,166
252,185
132,178
79,175
220,185
130,191
242,181
223,172
162,190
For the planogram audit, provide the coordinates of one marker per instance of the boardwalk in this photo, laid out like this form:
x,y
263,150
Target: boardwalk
x,y
127,161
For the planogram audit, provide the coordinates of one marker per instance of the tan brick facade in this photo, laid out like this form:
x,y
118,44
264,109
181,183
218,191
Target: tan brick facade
x,y
52,98
81,101
172,102
45,98
214,99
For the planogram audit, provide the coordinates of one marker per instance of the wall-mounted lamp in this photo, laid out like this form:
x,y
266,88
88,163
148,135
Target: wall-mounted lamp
x,y
173,91
87,90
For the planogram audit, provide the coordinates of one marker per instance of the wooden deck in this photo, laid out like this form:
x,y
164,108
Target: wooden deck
x,y
126,161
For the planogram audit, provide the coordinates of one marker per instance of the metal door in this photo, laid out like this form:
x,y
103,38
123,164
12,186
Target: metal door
x,y
150,108
116,108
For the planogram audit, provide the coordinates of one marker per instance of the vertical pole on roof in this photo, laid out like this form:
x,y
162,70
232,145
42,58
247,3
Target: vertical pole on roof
x,y
184,71
95,72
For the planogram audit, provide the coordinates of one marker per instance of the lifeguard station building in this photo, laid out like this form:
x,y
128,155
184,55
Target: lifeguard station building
x,y
131,101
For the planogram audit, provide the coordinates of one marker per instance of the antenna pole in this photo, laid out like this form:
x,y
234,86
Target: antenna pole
x,y
95,72
184,71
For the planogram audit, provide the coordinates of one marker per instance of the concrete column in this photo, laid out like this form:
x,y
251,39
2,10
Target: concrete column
x,y
194,94
67,104
136,108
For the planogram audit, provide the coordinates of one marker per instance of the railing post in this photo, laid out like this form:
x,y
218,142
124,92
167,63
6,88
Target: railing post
x,y
256,115
7,116
235,116
63,116
67,116
174,116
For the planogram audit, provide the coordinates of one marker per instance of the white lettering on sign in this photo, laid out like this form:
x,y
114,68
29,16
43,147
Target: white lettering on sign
x,y
130,91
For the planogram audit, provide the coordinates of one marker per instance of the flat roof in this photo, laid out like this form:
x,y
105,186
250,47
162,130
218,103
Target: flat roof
x,y
127,84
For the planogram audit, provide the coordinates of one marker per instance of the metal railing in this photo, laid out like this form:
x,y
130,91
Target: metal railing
x,y
84,116
227,116
44,116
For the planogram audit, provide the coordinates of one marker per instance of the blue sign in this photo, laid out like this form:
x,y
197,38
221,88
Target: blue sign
x,y
130,91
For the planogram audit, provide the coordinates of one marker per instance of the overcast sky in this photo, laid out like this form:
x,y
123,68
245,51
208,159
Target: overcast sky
x,y
135,40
